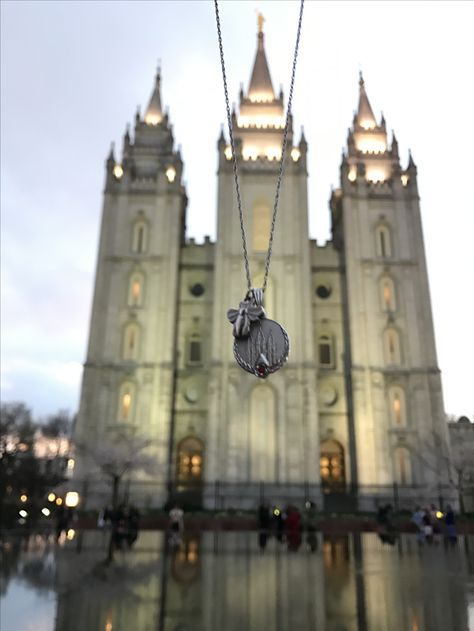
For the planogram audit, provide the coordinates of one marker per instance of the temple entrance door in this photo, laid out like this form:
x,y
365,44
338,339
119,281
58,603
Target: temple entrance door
x,y
189,470
332,471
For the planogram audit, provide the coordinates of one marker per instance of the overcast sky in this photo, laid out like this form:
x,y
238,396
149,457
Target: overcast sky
x,y
72,75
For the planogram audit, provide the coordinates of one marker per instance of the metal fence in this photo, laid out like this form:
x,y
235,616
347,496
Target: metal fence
x,y
230,496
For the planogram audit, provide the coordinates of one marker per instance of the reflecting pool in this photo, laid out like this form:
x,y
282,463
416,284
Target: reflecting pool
x,y
222,581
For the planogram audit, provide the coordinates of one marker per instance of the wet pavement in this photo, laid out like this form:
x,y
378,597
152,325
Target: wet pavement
x,y
224,581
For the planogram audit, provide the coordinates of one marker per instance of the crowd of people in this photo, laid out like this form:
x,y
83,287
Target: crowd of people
x,y
123,522
288,525
432,524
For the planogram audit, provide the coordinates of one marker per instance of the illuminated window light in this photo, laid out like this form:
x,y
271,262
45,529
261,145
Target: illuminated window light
x,y
261,97
46,512
58,501
368,145
295,154
171,174
23,513
72,499
228,152
352,175
23,498
70,464
51,497
118,171
126,402
273,153
152,119
404,178
375,175
250,153
261,121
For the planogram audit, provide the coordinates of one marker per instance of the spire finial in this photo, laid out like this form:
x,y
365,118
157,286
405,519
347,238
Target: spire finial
x,y
260,88
361,79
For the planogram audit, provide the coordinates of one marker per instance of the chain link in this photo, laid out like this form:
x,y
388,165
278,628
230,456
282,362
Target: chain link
x,y
234,155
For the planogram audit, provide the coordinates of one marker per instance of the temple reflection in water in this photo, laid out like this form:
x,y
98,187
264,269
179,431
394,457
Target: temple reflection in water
x,y
237,581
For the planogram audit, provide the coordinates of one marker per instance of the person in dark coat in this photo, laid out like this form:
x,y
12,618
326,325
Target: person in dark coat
x,y
450,523
133,522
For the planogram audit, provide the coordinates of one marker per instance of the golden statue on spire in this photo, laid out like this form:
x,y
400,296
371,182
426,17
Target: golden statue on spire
x,y
260,21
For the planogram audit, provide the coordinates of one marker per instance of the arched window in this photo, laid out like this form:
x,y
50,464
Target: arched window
x,y
261,225
126,401
190,460
383,241
136,290
397,404
402,462
325,351
131,340
140,237
331,466
393,353
195,349
387,294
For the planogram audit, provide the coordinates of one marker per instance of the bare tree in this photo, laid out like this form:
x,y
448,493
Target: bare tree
x,y
451,460
462,460
122,454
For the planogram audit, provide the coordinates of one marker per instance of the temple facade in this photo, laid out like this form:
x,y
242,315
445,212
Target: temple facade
x,y
358,407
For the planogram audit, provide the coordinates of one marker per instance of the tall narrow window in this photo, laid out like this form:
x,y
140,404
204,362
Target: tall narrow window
x,y
126,401
261,226
397,407
195,350
387,294
325,352
403,473
392,347
262,435
383,242
131,341
135,290
140,237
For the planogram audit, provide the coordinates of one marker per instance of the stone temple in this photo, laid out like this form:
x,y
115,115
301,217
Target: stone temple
x,y
357,409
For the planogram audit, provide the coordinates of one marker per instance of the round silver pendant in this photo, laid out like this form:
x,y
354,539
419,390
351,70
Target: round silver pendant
x,y
264,350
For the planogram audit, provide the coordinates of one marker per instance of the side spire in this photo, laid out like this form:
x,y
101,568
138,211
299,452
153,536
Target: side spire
x,y
365,115
154,112
261,87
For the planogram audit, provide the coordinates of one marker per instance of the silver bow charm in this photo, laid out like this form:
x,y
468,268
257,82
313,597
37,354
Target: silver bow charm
x,y
242,317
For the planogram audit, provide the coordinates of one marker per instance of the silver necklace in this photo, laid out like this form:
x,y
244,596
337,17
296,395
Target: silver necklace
x,y
261,345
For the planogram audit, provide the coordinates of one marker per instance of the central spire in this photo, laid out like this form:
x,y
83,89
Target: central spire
x,y
365,115
260,88
154,112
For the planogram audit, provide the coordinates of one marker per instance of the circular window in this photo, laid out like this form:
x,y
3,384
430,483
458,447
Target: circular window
x,y
191,394
197,289
323,291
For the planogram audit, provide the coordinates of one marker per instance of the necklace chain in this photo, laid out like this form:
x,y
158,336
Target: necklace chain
x,y
234,155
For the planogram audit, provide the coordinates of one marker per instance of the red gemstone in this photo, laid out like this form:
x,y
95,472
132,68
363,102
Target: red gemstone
x,y
262,370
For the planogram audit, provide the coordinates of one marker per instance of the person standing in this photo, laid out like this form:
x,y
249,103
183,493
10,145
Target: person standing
x,y
176,516
417,519
450,523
